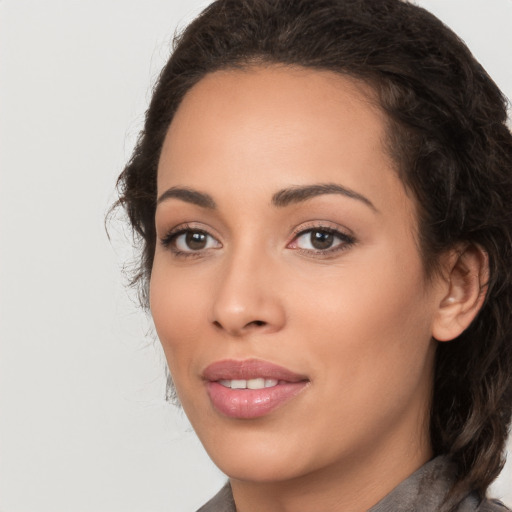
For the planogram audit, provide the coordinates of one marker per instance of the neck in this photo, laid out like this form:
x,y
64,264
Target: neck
x,y
354,485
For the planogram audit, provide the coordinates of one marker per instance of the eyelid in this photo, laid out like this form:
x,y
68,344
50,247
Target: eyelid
x,y
167,239
322,225
189,226
344,234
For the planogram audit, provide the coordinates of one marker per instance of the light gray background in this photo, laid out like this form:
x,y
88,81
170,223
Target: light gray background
x,y
83,423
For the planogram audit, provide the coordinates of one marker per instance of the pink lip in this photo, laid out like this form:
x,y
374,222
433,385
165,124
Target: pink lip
x,y
251,403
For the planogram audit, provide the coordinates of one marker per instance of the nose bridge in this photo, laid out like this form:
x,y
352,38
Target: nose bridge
x,y
246,296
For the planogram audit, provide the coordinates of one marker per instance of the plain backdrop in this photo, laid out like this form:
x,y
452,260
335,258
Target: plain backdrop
x,y
84,426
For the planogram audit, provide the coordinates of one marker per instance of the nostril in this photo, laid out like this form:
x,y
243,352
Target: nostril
x,y
236,328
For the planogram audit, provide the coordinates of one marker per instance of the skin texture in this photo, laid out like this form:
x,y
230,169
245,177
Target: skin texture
x,y
357,320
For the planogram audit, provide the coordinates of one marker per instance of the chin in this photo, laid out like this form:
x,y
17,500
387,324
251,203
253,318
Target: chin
x,y
259,470
262,456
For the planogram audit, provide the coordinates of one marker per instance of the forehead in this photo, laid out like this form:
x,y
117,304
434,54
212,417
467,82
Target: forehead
x,y
278,85
279,91
275,126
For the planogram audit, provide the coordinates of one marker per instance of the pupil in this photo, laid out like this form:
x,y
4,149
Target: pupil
x,y
321,239
195,241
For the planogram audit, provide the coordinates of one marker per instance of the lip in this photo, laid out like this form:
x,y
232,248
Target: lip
x,y
251,403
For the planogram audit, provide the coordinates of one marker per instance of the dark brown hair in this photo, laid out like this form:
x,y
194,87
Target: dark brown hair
x,y
453,150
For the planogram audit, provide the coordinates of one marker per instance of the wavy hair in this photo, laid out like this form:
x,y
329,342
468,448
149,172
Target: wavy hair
x,y
448,136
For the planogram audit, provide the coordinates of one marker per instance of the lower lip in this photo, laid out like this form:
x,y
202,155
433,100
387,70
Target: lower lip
x,y
252,403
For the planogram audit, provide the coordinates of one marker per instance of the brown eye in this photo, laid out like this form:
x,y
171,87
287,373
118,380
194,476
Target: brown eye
x,y
196,241
321,240
190,241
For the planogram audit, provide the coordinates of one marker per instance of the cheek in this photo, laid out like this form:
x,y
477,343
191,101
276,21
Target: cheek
x,y
175,305
374,312
370,347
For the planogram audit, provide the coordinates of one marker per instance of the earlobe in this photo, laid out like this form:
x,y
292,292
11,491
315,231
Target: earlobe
x,y
466,274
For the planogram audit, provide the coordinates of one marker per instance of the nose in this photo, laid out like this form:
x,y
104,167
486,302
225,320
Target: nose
x,y
247,298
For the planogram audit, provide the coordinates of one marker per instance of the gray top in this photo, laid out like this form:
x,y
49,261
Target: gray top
x,y
424,491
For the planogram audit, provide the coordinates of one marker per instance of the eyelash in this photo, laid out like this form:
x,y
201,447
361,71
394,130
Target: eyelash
x,y
345,241
169,240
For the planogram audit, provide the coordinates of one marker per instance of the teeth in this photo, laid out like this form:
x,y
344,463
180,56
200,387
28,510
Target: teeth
x,y
258,383
238,384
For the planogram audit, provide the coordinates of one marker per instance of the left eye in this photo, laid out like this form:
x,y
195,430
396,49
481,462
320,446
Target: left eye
x,y
320,239
190,241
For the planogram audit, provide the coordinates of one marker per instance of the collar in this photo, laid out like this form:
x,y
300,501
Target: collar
x,y
426,490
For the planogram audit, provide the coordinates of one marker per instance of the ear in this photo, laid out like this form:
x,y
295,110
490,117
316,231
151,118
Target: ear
x,y
466,275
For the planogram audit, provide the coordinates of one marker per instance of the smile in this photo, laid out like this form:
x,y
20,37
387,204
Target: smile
x,y
251,388
257,383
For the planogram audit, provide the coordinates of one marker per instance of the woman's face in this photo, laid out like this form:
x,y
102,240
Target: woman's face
x,y
287,288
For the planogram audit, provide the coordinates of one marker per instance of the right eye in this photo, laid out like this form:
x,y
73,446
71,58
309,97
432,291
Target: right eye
x,y
189,241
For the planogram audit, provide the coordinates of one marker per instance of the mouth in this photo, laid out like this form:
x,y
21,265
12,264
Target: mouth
x,y
251,388
256,383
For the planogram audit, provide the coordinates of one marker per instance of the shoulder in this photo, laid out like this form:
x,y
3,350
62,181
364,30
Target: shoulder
x,y
221,502
490,505
428,490
472,504
424,491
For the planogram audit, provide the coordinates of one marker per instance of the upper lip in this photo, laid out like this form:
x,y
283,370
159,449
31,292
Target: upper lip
x,y
230,369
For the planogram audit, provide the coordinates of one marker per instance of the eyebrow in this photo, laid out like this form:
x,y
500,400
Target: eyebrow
x,y
298,194
280,199
189,196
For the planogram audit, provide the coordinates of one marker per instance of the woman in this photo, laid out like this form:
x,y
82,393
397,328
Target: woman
x,y
321,192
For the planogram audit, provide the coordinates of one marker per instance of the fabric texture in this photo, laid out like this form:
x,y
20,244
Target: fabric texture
x,y
424,491
221,502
